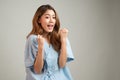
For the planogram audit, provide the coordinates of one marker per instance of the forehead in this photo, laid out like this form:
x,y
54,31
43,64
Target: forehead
x,y
49,12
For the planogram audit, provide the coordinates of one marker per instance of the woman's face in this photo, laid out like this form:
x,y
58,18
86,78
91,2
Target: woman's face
x,y
48,20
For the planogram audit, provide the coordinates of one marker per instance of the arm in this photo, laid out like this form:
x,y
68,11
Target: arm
x,y
38,65
63,53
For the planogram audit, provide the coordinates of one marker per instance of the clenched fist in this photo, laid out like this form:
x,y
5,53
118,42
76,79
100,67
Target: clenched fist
x,y
63,34
40,40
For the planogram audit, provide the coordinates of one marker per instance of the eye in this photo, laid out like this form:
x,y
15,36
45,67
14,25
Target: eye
x,y
46,17
54,17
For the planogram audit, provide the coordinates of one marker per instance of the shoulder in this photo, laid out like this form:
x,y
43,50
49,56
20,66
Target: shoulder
x,y
32,38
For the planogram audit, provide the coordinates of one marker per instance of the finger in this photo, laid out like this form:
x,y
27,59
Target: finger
x,y
66,30
39,36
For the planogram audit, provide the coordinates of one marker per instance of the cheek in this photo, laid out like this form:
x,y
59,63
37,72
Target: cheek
x,y
43,22
54,21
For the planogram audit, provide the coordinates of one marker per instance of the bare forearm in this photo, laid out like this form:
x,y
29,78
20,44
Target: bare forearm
x,y
38,65
63,55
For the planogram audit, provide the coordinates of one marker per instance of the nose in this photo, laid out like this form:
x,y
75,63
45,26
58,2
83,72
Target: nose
x,y
51,20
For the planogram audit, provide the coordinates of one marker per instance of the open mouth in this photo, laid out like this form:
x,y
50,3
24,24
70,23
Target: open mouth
x,y
50,26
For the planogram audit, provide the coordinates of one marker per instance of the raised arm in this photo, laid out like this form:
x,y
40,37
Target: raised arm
x,y
38,65
63,52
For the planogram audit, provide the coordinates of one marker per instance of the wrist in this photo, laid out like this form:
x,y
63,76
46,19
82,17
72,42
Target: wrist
x,y
40,49
63,40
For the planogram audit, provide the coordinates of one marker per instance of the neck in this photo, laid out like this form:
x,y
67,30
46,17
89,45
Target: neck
x,y
47,37
45,34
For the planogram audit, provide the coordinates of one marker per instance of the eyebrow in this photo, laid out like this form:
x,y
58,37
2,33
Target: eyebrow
x,y
49,14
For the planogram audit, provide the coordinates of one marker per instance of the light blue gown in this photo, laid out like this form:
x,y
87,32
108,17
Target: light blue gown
x,y
51,70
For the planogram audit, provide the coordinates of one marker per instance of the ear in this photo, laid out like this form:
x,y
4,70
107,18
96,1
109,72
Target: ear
x,y
39,20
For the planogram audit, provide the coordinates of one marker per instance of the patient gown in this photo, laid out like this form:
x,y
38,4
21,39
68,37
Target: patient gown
x,y
51,70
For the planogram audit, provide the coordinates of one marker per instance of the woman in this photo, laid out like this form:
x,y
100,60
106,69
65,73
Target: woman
x,y
47,47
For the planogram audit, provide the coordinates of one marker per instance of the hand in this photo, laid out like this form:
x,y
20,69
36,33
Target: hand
x,y
63,34
40,41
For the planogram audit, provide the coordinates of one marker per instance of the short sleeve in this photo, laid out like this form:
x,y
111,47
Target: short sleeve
x,y
70,56
31,49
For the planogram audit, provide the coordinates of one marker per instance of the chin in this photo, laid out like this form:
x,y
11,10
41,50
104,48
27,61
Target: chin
x,y
50,31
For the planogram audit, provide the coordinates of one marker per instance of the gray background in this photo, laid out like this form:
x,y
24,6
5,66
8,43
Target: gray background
x,y
94,33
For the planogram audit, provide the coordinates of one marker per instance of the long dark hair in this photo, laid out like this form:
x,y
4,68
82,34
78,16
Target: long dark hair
x,y
37,28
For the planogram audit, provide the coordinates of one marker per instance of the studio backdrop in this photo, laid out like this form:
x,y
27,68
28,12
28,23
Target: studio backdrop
x,y
94,34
